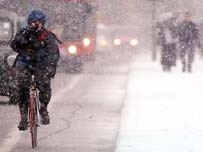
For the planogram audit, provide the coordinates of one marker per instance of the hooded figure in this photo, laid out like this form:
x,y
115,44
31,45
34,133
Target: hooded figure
x,y
167,36
38,55
188,38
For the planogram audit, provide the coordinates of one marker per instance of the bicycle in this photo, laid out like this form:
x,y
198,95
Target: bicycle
x,y
33,112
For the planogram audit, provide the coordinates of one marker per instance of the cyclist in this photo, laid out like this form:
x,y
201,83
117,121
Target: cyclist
x,y
38,55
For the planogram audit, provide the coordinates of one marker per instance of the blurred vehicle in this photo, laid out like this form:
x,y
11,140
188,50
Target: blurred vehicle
x,y
9,24
76,28
104,42
124,37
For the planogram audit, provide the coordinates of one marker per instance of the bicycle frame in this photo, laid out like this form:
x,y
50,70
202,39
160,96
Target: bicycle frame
x,y
33,112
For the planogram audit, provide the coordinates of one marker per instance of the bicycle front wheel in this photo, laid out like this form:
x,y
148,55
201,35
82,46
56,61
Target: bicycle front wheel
x,y
33,116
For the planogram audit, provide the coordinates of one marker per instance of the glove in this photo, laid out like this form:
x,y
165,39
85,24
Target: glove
x,y
22,37
51,71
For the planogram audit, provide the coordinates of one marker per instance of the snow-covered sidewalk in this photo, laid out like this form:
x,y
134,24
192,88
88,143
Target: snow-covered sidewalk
x,y
163,111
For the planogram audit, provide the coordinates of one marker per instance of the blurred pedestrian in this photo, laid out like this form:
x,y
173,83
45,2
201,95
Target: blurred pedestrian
x,y
167,36
188,39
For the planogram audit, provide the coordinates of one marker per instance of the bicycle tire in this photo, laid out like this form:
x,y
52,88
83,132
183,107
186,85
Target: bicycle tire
x,y
36,110
33,121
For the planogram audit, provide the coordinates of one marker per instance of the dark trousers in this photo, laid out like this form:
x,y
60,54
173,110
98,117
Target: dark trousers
x,y
43,84
187,56
168,54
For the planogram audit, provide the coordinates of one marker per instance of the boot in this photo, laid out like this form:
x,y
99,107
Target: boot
x,y
45,119
23,124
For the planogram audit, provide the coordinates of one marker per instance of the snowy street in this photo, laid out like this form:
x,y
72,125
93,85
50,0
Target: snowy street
x,y
85,112
119,84
125,107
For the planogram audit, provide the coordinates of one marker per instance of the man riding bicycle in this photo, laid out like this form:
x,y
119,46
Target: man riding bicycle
x,y
38,55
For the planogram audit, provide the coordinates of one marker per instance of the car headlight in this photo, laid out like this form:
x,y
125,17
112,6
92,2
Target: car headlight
x,y
86,41
72,49
6,25
117,42
103,43
133,42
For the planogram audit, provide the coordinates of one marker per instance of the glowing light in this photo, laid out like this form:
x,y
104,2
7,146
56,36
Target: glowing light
x,y
6,25
86,41
133,42
72,49
117,41
103,43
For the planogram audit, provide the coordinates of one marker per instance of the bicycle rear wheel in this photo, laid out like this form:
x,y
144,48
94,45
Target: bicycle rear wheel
x,y
33,116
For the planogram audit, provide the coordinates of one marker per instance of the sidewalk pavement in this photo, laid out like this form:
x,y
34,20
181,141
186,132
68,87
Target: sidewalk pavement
x,y
162,111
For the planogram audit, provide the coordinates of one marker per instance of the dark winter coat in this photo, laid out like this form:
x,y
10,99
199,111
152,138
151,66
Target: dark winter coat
x,y
167,36
36,49
188,33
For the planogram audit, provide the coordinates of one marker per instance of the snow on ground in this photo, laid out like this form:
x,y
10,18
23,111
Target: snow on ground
x,y
163,111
